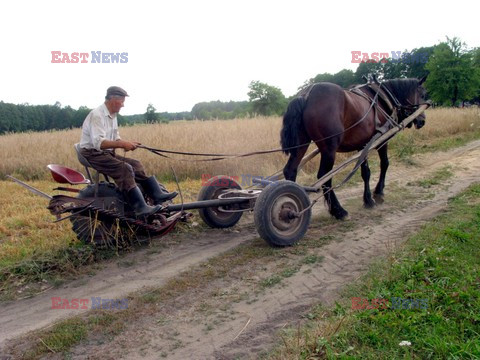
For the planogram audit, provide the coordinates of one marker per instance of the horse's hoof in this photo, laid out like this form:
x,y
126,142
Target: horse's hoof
x,y
378,198
341,215
369,205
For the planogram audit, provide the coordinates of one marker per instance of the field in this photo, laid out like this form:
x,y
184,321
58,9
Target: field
x,y
231,137
234,136
36,254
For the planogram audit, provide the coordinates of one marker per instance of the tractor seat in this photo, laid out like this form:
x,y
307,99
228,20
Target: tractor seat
x,y
87,165
81,158
65,175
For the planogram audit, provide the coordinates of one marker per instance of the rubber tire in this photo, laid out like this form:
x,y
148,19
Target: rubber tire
x,y
211,190
102,235
263,213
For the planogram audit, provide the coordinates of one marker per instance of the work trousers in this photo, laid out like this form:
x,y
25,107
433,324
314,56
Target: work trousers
x,y
124,171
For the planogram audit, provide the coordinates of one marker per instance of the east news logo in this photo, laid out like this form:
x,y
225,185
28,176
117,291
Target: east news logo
x,y
97,57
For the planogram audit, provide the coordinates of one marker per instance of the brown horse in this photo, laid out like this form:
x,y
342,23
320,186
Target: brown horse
x,y
339,120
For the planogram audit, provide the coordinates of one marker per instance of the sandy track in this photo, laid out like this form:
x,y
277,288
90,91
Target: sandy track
x,y
249,326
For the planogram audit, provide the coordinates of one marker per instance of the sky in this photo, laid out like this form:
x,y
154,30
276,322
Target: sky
x,y
182,52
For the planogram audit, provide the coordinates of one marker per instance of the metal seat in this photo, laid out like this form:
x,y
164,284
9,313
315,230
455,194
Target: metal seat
x,y
65,175
87,165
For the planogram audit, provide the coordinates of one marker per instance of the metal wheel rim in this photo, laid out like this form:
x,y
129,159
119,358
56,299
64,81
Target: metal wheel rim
x,y
222,215
282,205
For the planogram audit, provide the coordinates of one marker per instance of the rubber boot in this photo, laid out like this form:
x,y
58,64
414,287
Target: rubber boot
x,y
155,192
137,202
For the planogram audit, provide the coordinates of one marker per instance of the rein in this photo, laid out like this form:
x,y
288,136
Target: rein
x,y
217,157
380,91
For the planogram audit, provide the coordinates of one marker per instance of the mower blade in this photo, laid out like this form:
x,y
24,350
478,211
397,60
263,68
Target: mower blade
x,y
32,189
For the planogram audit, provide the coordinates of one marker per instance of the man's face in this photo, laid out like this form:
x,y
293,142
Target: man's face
x,y
117,103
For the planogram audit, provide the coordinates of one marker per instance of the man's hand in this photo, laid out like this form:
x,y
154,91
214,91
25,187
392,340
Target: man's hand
x,y
119,144
130,145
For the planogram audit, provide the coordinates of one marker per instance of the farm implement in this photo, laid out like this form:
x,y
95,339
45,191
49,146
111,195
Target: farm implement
x,y
100,214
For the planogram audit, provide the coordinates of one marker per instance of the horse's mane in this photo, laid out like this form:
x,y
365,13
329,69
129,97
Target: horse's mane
x,y
401,88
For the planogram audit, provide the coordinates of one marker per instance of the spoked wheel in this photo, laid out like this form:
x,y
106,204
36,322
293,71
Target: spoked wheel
x,y
90,229
276,214
219,217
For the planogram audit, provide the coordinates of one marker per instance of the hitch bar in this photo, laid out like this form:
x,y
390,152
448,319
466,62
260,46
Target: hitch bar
x,y
265,182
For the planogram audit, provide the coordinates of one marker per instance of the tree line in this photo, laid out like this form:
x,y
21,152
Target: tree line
x,y
453,77
25,117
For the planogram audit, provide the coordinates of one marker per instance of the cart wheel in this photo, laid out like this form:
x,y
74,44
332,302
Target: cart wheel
x,y
91,230
213,216
274,213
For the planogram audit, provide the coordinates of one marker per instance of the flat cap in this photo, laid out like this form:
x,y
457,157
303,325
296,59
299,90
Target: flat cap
x,y
116,91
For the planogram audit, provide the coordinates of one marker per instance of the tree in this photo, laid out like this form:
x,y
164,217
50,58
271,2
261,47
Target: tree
x,y
367,69
394,68
476,57
344,78
452,74
80,115
151,116
220,110
265,99
416,60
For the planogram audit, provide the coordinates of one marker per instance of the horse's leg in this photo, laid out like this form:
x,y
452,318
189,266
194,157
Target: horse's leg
x,y
290,169
367,195
378,193
326,164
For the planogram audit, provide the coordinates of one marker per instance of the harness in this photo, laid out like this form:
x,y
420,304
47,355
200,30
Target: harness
x,y
387,97
397,113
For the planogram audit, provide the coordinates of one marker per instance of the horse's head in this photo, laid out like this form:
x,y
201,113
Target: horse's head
x,y
410,94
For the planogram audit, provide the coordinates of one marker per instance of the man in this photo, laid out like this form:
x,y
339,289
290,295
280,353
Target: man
x,y
99,140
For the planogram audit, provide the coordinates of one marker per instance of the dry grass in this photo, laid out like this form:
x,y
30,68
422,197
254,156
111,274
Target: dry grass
x,y
445,122
235,136
26,155
449,121
26,225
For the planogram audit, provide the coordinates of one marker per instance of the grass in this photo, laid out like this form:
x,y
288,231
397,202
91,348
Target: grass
x,y
440,264
444,128
194,136
72,331
436,178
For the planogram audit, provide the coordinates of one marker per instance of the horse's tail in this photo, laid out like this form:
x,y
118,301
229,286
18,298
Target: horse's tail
x,y
292,125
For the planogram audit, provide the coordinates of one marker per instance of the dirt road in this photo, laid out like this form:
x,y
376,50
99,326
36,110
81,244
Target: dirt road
x,y
238,319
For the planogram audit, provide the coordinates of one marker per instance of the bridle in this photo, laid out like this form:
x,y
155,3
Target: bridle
x,y
402,110
396,110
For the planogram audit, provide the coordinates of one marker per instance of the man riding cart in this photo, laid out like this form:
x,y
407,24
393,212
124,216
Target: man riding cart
x,y
100,138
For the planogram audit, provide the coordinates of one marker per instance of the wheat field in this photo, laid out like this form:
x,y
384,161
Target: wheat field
x,y
216,136
26,155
